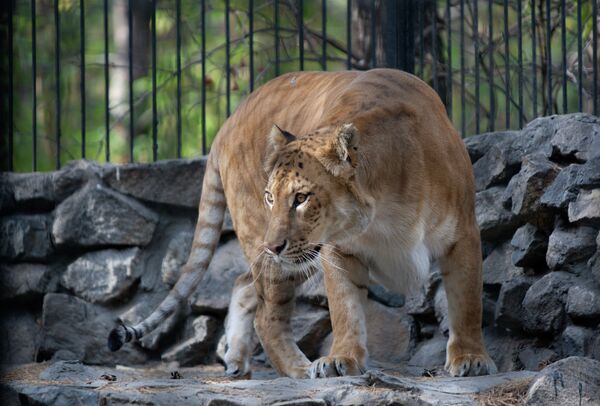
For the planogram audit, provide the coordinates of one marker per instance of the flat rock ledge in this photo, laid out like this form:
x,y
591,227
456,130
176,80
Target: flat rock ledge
x,y
73,383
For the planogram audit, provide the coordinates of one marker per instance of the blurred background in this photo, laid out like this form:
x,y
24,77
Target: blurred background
x,y
141,80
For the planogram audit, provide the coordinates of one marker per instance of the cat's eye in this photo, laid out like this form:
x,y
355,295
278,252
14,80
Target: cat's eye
x,y
268,198
300,198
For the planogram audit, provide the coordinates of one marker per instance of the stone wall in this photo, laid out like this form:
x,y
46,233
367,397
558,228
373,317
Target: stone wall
x,y
84,245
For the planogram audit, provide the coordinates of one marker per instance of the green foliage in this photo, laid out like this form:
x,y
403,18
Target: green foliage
x,y
192,81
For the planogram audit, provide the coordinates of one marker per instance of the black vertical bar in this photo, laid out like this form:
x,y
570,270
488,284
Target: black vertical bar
x,y
301,32
227,59
449,70
579,58
434,44
349,34
506,66
533,62
373,39
595,55
11,83
154,107
203,56
178,46
410,51
421,12
549,56
82,72
520,60
563,24
276,18
57,78
106,85
463,115
476,46
33,84
324,31
492,122
251,41
130,55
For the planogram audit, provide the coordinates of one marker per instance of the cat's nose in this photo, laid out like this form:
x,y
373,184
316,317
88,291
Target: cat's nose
x,y
275,248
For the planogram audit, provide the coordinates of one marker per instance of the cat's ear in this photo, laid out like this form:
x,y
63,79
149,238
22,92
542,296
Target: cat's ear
x,y
339,155
279,138
276,141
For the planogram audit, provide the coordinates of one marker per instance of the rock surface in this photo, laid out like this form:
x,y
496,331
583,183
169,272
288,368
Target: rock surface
x,y
544,303
68,384
102,276
571,381
25,281
98,216
75,329
213,293
529,246
199,348
176,182
567,246
25,237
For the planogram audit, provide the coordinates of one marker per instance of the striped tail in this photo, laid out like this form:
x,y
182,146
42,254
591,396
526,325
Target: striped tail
x,y
206,238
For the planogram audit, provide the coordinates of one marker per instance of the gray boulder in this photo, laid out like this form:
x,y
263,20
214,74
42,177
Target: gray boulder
x,y
20,335
199,348
310,325
430,353
569,245
73,176
214,291
570,381
43,190
544,303
536,358
478,145
385,296
75,329
524,190
586,208
570,181
529,246
25,237
102,276
575,340
29,191
498,266
25,281
494,220
583,302
97,216
175,182
493,169
576,136
533,138
509,312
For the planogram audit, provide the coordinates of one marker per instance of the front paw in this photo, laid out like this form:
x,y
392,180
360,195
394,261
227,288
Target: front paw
x,y
468,364
330,367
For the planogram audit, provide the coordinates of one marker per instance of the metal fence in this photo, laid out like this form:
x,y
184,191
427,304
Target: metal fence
x,y
140,80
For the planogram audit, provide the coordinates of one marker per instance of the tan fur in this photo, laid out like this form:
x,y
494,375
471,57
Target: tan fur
x,y
388,187
392,187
